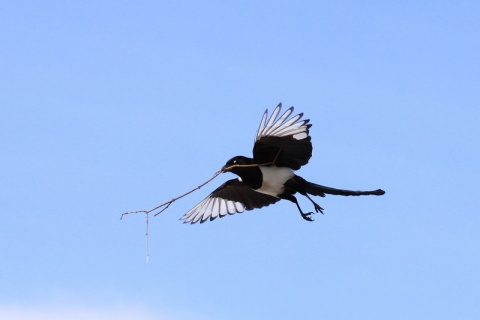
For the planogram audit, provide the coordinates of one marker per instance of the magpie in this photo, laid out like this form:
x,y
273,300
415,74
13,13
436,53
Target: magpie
x,y
282,145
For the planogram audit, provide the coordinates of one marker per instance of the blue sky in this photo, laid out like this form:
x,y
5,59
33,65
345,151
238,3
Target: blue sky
x,y
111,106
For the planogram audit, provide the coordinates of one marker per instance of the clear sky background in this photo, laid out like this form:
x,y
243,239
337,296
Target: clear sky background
x,y
111,106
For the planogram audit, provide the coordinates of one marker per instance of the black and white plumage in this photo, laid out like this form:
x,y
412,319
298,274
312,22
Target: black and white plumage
x,y
282,145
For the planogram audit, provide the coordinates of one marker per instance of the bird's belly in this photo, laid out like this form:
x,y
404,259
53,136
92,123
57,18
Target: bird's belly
x,y
274,179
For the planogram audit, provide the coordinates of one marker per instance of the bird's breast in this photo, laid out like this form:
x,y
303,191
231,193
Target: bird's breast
x,y
274,179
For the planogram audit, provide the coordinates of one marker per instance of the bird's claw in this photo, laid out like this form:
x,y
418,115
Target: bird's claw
x,y
307,216
318,208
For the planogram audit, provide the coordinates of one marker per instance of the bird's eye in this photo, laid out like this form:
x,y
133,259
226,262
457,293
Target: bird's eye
x,y
234,161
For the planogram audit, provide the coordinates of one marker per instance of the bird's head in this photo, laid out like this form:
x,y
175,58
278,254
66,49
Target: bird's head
x,y
235,164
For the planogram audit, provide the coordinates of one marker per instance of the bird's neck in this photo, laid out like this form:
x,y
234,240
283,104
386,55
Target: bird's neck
x,y
252,176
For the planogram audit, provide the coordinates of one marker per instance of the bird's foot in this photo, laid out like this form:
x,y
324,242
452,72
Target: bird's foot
x,y
307,216
318,208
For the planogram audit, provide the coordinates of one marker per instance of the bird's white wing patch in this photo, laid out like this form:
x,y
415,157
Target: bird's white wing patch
x,y
211,208
282,126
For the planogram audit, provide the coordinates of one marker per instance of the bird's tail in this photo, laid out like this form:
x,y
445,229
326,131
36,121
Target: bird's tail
x,y
318,190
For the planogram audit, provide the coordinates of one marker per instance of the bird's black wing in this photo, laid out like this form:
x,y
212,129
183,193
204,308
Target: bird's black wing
x,y
284,141
234,196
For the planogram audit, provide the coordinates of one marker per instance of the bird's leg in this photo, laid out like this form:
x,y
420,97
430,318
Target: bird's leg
x,y
306,216
316,205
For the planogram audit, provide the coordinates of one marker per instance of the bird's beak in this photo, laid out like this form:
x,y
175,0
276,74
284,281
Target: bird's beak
x,y
226,168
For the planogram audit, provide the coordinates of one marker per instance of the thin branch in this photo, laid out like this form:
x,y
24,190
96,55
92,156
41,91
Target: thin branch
x,y
146,236
167,204
276,156
164,206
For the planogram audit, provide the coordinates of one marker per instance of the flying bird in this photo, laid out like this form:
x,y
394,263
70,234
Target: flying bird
x,y
282,145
